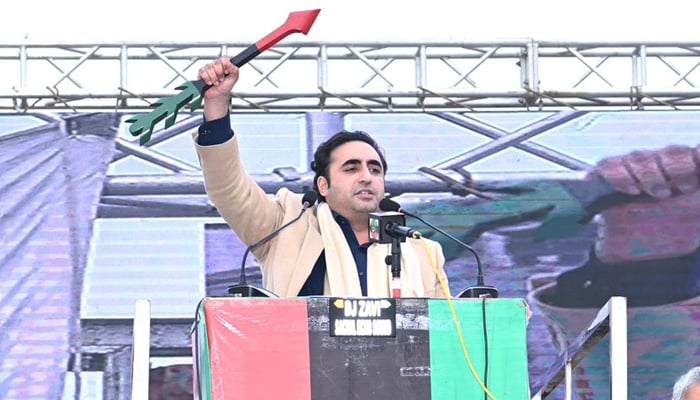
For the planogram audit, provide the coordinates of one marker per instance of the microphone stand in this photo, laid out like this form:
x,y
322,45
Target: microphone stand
x,y
389,227
481,290
394,260
243,289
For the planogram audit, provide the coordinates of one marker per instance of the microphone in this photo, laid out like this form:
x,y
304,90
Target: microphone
x,y
481,290
243,289
387,225
395,229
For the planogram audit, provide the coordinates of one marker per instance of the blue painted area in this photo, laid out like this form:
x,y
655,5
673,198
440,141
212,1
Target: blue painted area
x,y
16,123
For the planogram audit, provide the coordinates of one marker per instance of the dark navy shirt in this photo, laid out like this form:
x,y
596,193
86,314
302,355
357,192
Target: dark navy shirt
x,y
315,281
219,131
216,131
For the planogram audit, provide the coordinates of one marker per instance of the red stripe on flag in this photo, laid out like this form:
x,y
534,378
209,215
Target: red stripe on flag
x,y
259,348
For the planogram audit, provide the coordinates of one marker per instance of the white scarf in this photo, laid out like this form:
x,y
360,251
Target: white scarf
x,y
341,272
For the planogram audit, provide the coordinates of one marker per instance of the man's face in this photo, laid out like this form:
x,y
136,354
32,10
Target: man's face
x,y
356,180
693,392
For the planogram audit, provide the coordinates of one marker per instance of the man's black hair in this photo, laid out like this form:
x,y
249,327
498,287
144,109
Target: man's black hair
x,y
322,155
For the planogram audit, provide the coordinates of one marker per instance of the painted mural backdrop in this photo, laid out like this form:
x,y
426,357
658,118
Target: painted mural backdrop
x,y
518,189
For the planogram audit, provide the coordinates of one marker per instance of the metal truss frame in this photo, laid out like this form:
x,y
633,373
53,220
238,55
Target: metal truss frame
x,y
521,74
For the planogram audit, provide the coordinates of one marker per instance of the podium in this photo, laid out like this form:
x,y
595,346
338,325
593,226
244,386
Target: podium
x,y
299,349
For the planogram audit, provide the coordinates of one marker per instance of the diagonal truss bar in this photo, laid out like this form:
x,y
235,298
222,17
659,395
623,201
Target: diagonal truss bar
x,y
367,62
589,72
479,62
266,76
457,71
167,62
174,79
585,62
382,68
675,70
67,74
512,139
80,62
154,157
493,132
684,76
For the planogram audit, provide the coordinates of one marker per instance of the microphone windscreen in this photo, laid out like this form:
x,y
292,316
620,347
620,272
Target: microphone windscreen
x,y
309,198
387,204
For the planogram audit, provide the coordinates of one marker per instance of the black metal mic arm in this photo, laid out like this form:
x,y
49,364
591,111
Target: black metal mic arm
x,y
481,289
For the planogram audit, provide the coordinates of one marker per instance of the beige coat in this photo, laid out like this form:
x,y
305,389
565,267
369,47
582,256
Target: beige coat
x,y
287,260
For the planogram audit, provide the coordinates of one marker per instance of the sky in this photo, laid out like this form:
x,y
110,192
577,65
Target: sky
x,y
87,21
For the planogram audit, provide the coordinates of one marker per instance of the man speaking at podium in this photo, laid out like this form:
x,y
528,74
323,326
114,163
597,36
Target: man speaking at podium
x,y
328,250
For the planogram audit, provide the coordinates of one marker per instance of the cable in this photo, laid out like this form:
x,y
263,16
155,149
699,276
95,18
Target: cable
x,y
486,344
446,290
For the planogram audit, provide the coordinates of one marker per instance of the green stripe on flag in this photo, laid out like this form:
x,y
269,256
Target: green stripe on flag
x,y
202,360
451,376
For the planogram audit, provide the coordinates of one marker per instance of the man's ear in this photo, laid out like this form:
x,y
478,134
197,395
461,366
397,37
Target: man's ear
x,y
322,184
